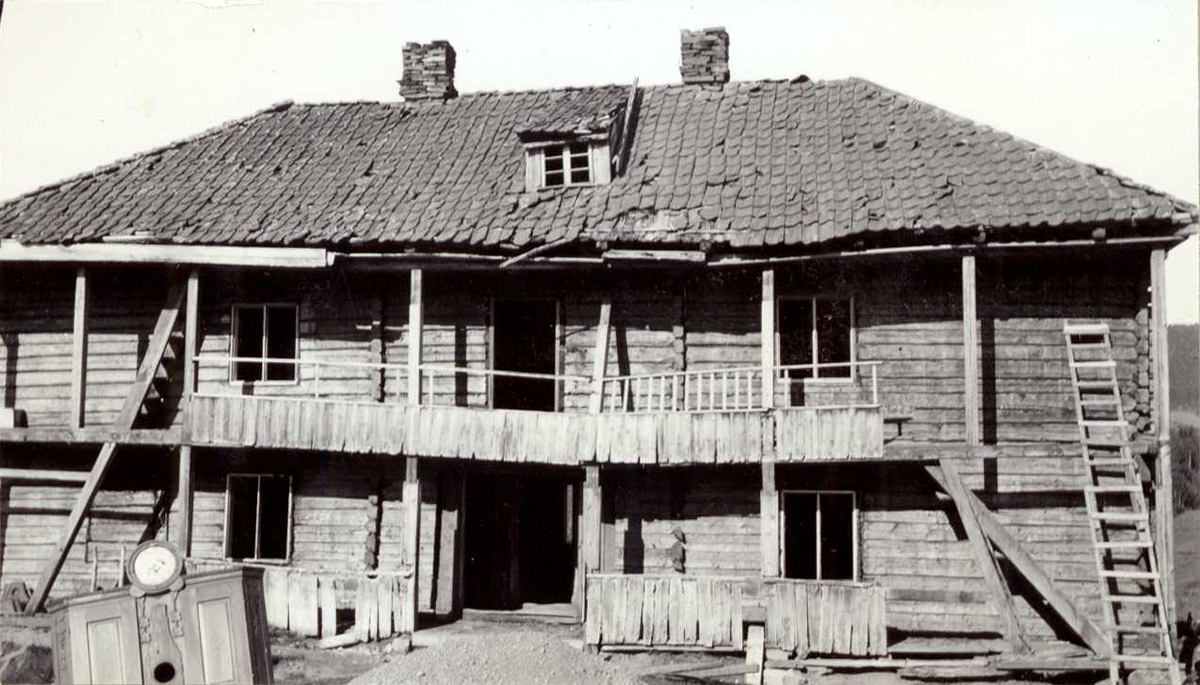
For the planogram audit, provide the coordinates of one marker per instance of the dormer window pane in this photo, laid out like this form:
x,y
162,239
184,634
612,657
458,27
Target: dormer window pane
x,y
566,164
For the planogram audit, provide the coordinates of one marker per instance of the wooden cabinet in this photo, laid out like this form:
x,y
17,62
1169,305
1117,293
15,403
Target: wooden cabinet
x,y
213,629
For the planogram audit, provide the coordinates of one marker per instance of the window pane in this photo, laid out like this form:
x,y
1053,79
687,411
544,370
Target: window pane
x,y
837,536
248,343
795,335
800,535
281,342
579,149
554,178
833,336
580,176
243,494
273,518
554,163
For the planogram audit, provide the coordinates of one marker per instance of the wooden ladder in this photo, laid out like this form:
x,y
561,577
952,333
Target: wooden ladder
x,y
1126,566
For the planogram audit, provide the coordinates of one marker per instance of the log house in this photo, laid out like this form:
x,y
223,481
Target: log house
x,y
664,355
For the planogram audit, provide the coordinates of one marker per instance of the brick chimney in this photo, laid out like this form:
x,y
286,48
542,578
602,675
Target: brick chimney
x,y
428,71
704,56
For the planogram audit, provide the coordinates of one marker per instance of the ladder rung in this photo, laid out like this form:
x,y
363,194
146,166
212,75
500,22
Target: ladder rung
x,y
1140,630
1128,575
1089,346
1085,329
1105,462
1112,488
1131,599
1109,401
1096,385
1124,544
1105,442
1095,364
1109,423
1119,516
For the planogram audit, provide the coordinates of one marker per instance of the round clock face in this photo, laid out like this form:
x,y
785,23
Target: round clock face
x,y
154,566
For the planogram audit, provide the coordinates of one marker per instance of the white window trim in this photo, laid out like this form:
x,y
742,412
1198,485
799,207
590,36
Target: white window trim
x,y
599,163
233,336
257,507
853,523
816,379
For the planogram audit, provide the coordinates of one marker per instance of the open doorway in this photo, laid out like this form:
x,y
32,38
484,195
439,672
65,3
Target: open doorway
x,y
524,339
520,540
820,535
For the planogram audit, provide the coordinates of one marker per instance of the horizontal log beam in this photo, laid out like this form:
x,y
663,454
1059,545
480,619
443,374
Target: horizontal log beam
x,y
214,255
93,436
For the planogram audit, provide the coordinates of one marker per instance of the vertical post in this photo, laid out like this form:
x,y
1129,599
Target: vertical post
x,y
450,497
768,338
411,500
183,497
970,351
1164,495
591,544
79,351
191,327
768,518
416,326
600,362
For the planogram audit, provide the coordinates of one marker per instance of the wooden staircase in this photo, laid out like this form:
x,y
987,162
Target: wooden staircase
x,y
1126,565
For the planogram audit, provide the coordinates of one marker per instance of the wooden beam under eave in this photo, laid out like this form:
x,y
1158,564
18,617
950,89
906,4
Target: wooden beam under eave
x,y
600,358
971,401
993,579
1077,621
79,348
132,405
768,338
1164,486
416,327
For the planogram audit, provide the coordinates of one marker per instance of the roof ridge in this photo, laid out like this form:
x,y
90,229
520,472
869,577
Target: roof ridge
x,y
138,156
1096,168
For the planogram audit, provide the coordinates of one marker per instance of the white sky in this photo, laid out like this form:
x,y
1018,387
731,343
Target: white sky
x,y
1114,83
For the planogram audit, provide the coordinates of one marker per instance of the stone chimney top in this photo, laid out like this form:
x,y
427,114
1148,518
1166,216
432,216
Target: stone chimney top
x,y
428,71
704,56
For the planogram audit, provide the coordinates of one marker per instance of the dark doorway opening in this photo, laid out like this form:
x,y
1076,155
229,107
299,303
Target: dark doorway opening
x,y
524,340
521,540
819,535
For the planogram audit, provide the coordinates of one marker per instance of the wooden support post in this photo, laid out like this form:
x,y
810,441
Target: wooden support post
x,y
183,499
191,340
451,483
416,327
769,522
768,338
411,554
79,351
129,412
600,359
1072,617
970,350
1164,486
589,537
993,579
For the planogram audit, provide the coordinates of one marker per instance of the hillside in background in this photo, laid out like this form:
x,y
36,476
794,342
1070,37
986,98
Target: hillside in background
x,y
1184,342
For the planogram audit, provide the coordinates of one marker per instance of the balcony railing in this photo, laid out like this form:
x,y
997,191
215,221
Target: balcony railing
x,y
732,389
851,384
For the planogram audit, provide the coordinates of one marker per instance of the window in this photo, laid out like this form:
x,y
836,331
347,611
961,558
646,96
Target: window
x,y
262,332
820,532
816,331
566,165
258,517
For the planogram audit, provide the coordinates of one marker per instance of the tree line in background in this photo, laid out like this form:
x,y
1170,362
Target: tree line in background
x,y
1184,362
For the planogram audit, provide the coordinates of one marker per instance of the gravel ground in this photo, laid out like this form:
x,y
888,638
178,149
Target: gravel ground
x,y
516,658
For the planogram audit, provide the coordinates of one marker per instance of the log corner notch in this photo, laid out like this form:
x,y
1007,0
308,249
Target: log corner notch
x,y
971,507
132,405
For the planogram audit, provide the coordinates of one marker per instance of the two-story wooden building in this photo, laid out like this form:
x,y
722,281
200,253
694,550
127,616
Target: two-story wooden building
x,y
676,355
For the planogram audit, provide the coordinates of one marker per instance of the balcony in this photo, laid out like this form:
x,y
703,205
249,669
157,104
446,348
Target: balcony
x,y
707,416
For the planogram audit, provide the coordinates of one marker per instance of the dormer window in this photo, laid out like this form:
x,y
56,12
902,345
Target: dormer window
x,y
567,165
570,163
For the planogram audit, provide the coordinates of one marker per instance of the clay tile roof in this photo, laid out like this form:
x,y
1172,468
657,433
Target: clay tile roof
x,y
753,164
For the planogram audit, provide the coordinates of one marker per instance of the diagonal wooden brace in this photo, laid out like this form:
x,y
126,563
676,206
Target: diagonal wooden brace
x,y
125,419
1076,620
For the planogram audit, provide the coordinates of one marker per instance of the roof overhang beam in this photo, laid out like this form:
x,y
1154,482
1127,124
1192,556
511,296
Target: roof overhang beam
x,y
197,255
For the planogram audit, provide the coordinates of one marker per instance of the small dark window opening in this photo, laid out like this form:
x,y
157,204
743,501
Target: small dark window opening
x,y
819,535
258,517
262,332
816,331
567,165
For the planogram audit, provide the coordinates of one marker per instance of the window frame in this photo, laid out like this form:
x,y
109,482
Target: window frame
x,y
598,156
225,551
816,378
234,323
854,526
